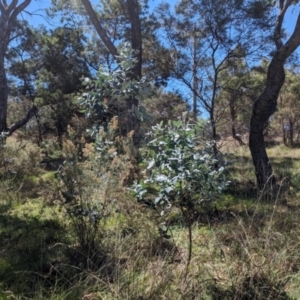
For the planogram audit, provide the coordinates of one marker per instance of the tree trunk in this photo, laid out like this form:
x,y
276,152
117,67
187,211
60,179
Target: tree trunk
x,y
8,16
133,7
233,123
195,110
133,123
263,109
291,133
215,138
3,93
284,132
266,104
100,30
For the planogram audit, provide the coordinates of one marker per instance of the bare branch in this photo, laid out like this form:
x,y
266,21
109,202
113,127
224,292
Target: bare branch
x,y
18,9
292,44
277,33
100,30
32,112
11,6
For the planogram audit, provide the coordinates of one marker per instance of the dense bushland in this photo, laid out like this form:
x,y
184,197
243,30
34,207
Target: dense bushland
x,y
112,183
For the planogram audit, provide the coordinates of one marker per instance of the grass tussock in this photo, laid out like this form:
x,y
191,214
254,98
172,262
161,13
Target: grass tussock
x,y
77,233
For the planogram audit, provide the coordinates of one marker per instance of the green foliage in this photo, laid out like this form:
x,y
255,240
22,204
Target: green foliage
x,y
106,93
181,166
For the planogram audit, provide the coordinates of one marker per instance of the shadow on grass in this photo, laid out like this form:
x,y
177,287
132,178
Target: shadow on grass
x,y
38,259
251,287
242,176
26,250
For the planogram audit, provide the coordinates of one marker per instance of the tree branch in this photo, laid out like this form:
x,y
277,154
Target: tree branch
x,y
11,6
277,33
292,44
100,30
23,121
18,9
1,8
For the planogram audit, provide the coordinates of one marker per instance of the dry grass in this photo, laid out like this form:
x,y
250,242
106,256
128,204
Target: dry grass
x,y
244,250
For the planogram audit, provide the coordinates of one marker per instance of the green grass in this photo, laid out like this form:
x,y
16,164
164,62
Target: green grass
x,y
243,249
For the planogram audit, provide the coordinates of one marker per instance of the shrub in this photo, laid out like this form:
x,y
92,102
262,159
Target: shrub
x,y
181,167
181,171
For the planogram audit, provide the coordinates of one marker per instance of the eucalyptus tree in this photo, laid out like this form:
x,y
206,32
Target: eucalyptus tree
x,y
241,85
288,112
8,19
48,65
232,100
207,37
117,22
131,8
132,11
266,104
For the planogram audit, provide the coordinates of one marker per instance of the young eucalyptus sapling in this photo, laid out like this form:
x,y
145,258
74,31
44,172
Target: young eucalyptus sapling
x,y
181,167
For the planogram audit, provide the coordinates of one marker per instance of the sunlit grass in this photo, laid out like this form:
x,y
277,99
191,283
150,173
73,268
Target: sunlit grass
x,y
241,249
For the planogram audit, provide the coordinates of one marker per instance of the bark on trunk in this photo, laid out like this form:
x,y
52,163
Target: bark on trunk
x,y
215,138
263,109
3,94
266,104
32,112
284,135
100,30
288,134
233,123
133,7
8,16
291,133
133,123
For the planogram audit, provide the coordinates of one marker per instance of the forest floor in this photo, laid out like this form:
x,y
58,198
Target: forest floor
x,y
244,248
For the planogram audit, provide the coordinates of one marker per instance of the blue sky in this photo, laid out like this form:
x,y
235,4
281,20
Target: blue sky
x,y
37,8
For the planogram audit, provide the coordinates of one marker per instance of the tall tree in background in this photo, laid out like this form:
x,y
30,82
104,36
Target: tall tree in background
x,y
288,115
241,86
266,104
206,37
232,100
117,22
8,17
48,66
132,10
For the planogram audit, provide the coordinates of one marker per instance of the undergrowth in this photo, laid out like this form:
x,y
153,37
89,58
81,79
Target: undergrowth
x,y
243,249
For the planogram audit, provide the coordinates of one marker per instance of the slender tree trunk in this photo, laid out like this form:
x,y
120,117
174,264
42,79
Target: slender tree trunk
x,y
195,111
215,138
3,93
233,122
100,30
284,137
133,123
133,7
8,16
291,133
